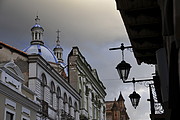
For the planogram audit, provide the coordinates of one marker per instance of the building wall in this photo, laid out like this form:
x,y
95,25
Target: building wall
x,y
13,101
62,100
85,80
53,99
116,110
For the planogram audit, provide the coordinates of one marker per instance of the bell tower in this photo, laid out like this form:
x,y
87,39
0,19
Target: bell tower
x,y
58,50
37,33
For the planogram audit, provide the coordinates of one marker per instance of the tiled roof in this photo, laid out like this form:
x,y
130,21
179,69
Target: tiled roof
x,y
13,48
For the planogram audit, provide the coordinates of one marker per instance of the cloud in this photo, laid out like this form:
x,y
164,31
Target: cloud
x,y
92,25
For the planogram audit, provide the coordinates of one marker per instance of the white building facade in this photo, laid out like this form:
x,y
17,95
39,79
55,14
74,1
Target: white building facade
x,y
44,77
17,101
58,100
86,81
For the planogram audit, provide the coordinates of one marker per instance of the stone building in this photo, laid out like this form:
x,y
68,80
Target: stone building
x,y
48,80
17,101
85,80
116,110
44,78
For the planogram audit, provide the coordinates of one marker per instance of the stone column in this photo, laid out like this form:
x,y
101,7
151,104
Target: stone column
x,y
54,101
47,94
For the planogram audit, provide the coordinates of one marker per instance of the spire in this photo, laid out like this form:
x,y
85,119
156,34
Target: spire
x,y
58,38
37,32
58,50
114,106
120,97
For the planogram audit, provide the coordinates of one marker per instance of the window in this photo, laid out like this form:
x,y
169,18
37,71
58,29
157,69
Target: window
x,y
58,96
9,114
52,91
70,105
75,109
65,101
58,92
43,84
24,118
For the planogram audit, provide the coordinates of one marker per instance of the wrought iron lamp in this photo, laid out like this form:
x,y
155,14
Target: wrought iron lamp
x,y
123,67
134,97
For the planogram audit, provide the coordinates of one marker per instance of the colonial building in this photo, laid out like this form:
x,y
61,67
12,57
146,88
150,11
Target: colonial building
x,y
85,80
44,78
116,110
154,32
17,101
48,79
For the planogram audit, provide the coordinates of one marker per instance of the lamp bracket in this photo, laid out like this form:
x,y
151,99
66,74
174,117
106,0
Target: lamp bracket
x,y
134,81
122,47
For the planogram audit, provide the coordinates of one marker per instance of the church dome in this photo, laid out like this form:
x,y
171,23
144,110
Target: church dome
x,y
37,26
42,50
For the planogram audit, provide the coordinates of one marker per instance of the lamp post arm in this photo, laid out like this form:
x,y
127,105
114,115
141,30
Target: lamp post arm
x,y
121,47
134,81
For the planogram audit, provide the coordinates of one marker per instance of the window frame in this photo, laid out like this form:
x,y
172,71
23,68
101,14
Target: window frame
x,y
10,111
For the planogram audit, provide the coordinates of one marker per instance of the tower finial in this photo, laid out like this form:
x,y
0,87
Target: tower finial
x,y
58,37
37,19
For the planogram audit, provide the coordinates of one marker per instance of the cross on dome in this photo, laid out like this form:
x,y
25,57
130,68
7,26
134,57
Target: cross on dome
x,y
37,20
58,37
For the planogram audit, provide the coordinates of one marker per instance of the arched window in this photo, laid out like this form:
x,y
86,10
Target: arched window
x,y
92,97
43,84
70,105
58,92
75,109
44,80
58,96
65,101
52,90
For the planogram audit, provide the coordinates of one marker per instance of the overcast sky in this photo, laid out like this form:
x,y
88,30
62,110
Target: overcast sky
x,y
92,25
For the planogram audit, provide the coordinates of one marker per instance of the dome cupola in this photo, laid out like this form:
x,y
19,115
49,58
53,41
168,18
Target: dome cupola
x,y
37,45
37,32
58,50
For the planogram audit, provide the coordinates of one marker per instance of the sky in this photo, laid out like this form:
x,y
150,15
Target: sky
x,y
92,25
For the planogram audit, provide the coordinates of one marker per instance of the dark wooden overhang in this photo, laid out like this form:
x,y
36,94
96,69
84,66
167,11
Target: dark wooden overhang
x,y
142,19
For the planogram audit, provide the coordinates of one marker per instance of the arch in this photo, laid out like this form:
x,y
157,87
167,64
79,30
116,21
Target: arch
x,y
11,66
70,101
75,106
65,102
43,78
65,98
70,105
58,92
75,110
52,87
43,84
52,90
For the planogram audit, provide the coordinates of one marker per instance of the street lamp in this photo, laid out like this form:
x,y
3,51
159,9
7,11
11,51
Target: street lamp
x,y
123,67
134,97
